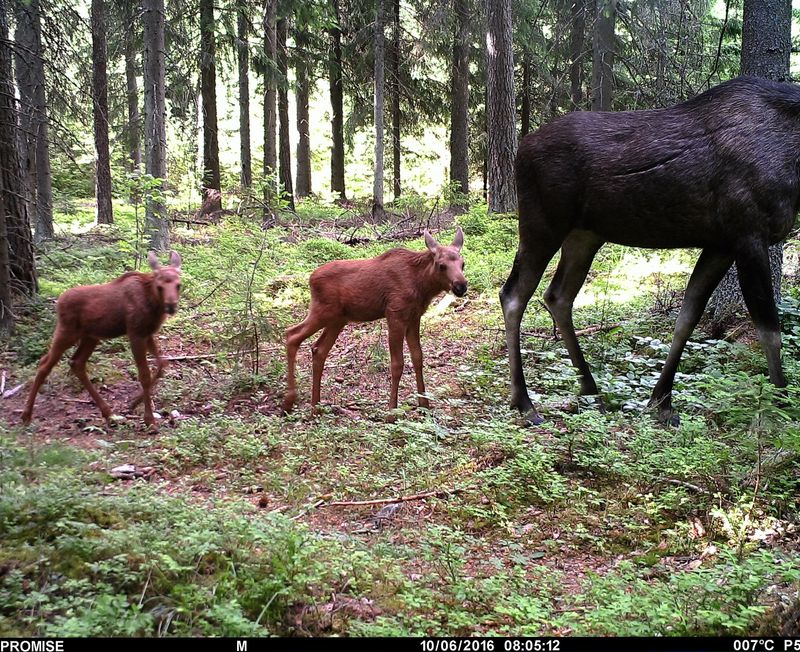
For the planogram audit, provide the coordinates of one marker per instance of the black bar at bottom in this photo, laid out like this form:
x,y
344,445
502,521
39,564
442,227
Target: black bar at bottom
x,y
428,644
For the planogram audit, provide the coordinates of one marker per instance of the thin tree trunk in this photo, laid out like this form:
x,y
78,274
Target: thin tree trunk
x,y
303,185
285,148
244,93
337,105
34,122
459,99
603,55
21,269
501,108
377,188
155,114
270,89
104,211
526,95
134,119
766,48
576,41
6,306
395,91
212,186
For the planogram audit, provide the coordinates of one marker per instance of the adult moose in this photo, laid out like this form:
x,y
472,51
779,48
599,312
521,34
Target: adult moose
x,y
398,285
135,304
720,172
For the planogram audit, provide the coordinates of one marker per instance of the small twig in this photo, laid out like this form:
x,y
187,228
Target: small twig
x,y
206,356
3,382
401,499
13,390
78,400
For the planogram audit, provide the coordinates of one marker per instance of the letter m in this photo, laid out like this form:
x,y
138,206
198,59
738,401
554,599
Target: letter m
x,y
241,646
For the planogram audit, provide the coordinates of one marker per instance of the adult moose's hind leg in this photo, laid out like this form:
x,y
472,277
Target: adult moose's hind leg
x,y
529,265
755,280
709,270
78,365
61,342
577,254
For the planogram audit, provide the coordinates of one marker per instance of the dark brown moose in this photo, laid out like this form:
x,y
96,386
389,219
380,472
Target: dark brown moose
x,y
720,172
398,285
135,304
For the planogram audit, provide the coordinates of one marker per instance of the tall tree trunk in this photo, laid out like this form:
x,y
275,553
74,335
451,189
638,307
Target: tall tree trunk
x,y
766,47
501,108
337,104
270,89
395,91
577,37
285,147
244,93
6,306
21,269
104,211
302,73
155,115
603,55
134,120
459,99
34,120
526,94
380,50
212,186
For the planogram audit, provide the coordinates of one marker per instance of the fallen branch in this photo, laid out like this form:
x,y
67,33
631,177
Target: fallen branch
x,y
183,221
402,499
3,383
682,483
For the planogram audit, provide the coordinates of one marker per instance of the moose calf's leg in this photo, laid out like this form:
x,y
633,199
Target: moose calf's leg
x,y
397,330
161,365
295,336
415,349
756,282
61,342
319,353
78,365
514,297
709,270
577,254
139,350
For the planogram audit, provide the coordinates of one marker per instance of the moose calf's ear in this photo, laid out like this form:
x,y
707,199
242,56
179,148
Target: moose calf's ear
x,y
430,242
175,260
153,260
458,240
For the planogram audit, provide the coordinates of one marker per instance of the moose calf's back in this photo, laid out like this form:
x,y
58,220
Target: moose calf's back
x,y
87,308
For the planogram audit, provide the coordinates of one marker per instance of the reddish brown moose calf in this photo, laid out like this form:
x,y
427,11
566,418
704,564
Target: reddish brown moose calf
x,y
398,285
135,304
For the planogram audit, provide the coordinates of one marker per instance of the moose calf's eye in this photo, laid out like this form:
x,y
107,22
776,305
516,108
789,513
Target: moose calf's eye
x,y
442,267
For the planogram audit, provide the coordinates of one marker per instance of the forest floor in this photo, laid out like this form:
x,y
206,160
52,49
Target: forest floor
x,y
593,523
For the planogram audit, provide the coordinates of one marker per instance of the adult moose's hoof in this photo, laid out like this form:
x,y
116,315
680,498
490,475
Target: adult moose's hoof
x,y
532,418
669,417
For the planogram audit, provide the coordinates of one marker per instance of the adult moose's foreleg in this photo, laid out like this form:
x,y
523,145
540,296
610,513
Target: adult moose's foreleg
x,y
577,254
709,270
529,265
755,280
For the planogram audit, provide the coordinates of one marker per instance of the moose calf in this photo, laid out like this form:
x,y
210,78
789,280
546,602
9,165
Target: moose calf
x,y
398,285
135,304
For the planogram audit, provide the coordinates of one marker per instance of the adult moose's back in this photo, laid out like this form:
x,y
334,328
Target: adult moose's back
x,y
720,172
